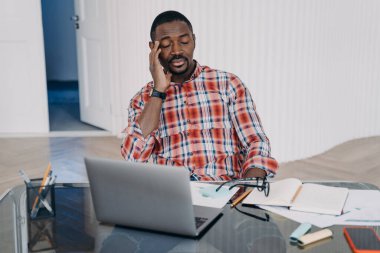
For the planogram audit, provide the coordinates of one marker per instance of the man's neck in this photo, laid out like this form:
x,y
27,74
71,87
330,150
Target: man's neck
x,y
184,77
179,79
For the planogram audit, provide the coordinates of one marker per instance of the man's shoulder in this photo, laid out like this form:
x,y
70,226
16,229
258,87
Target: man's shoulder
x,y
146,88
143,92
218,73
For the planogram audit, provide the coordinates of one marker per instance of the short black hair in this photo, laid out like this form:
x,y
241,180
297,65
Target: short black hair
x,y
166,17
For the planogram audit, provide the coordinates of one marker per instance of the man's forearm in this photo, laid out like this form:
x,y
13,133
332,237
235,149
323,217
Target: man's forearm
x,y
150,116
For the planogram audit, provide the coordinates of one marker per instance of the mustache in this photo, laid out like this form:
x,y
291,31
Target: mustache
x,y
176,57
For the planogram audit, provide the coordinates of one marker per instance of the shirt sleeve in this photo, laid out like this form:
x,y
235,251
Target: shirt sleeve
x,y
135,147
255,144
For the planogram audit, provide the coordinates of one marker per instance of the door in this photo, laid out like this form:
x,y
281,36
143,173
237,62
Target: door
x,y
93,63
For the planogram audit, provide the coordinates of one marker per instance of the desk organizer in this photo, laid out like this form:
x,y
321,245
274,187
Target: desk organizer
x,y
40,200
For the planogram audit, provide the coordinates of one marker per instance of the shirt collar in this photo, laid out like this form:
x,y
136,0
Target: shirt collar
x,y
197,71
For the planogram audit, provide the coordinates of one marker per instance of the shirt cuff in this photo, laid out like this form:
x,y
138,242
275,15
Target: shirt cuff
x,y
135,144
134,130
268,164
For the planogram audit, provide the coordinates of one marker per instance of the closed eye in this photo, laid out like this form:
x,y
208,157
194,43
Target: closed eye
x,y
165,43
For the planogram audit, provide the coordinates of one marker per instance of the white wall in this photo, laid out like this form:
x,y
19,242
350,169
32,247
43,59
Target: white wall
x,y
60,41
23,98
311,66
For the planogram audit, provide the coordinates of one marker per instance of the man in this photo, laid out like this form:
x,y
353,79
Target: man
x,y
194,116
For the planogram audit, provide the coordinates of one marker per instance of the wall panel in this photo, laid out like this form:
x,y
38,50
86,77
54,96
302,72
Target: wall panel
x,y
23,96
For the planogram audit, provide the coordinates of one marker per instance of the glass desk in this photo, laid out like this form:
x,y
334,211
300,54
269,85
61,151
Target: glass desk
x,y
75,229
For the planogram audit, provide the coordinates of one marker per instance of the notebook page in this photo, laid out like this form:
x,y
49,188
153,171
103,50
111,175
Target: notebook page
x,y
321,199
281,193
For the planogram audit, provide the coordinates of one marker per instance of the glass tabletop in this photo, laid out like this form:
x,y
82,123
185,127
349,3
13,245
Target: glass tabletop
x,y
8,236
75,229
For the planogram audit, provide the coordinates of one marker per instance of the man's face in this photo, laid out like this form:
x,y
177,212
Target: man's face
x,y
177,47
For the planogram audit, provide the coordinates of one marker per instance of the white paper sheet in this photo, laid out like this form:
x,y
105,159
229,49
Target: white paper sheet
x,y
204,194
359,199
363,205
361,217
319,220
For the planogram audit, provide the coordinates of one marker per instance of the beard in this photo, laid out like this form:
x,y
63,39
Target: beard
x,y
178,70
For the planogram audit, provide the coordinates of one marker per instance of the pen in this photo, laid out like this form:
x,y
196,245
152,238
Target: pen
x,y
241,197
52,181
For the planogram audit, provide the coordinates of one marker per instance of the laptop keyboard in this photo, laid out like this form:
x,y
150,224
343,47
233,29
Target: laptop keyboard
x,y
199,221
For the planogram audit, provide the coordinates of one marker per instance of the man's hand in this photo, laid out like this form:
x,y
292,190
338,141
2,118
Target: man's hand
x,y
160,78
255,172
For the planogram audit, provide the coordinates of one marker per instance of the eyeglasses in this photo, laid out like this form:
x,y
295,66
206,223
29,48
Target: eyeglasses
x,y
260,183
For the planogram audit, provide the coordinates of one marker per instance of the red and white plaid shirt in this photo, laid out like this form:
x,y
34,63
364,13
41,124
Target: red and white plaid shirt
x,y
208,124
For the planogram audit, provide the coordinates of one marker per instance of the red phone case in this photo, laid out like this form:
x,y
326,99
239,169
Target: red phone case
x,y
352,245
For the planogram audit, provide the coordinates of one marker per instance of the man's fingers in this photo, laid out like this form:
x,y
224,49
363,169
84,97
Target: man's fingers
x,y
168,75
156,44
155,60
153,52
150,58
158,53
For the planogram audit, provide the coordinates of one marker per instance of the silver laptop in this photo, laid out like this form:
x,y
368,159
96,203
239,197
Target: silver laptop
x,y
147,196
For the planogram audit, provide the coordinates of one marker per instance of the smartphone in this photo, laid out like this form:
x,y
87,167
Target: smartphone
x,y
362,239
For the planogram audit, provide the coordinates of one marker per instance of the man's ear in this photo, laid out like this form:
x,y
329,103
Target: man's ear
x,y
194,39
151,44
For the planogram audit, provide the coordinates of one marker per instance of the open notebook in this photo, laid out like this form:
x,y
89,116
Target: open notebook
x,y
297,196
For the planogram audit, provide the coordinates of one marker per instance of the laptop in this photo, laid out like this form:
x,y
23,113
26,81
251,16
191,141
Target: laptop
x,y
146,196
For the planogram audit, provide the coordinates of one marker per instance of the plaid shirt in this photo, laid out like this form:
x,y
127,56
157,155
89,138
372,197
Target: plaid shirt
x,y
208,124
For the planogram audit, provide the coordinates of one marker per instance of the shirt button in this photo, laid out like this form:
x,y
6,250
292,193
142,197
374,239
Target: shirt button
x,y
188,121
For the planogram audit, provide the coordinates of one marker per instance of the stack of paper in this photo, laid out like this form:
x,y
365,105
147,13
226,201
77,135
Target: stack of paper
x,y
204,194
292,193
315,203
362,208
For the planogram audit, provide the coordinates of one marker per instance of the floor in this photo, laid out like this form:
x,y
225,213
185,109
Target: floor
x,y
356,160
64,112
